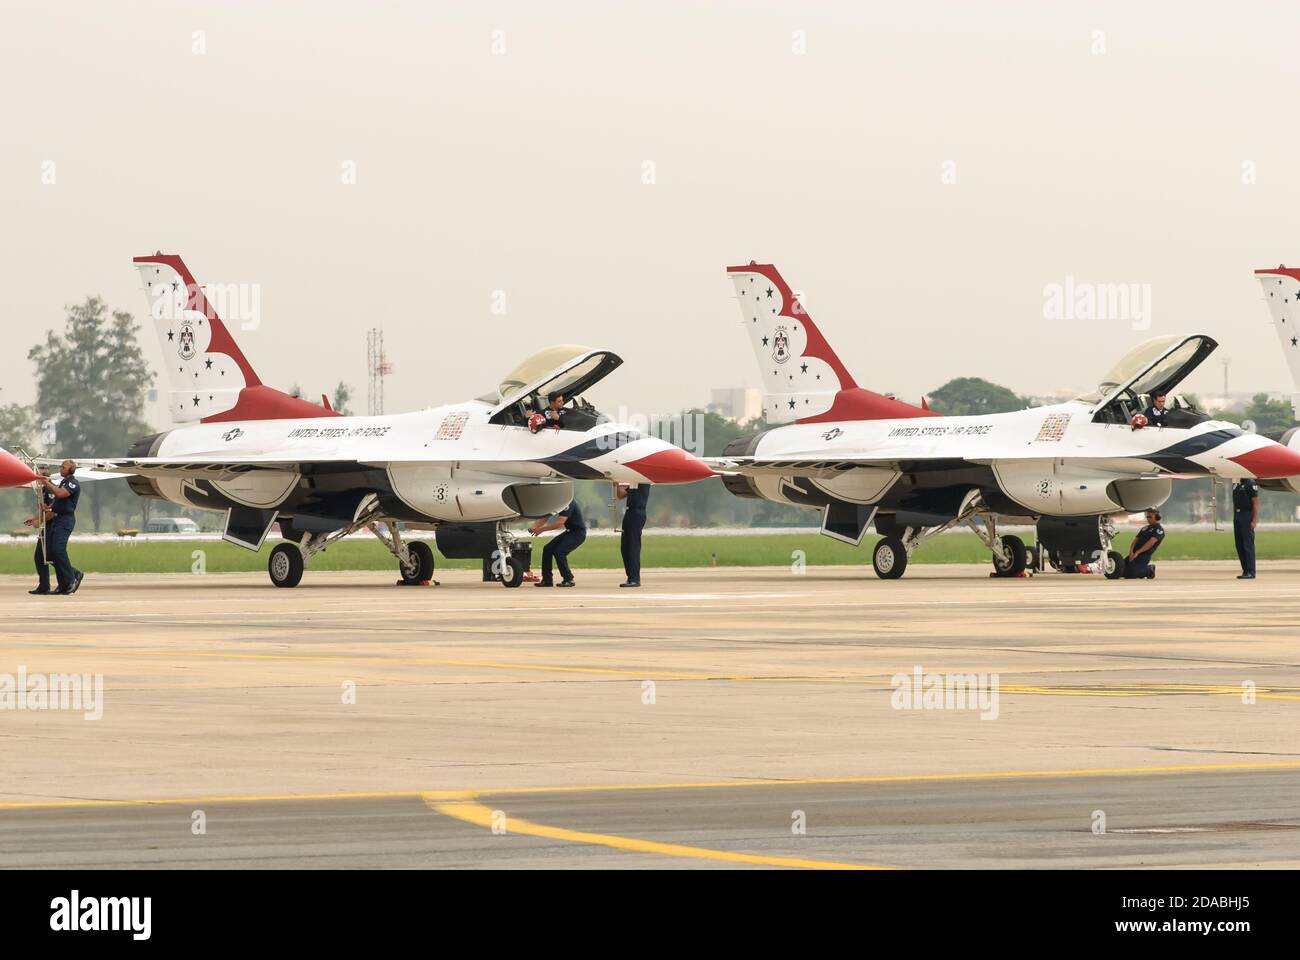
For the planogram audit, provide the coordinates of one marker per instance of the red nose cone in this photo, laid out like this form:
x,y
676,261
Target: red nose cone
x,y
673,465
13,472
1270,462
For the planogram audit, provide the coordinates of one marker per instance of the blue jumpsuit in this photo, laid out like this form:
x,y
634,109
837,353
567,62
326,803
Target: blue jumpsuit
x,y
633,524
559,548
1139,568
1244,493
57,531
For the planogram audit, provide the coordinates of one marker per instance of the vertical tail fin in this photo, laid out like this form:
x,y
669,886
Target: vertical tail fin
x,y
208,377
1282,294
803,380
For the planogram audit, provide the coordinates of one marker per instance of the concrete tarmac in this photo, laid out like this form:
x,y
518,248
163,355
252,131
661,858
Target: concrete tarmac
x,y
713,718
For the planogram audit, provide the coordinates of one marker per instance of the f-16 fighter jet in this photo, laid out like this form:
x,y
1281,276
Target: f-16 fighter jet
x,y
263,457
863,458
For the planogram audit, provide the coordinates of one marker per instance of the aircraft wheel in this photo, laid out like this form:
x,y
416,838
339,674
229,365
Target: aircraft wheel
x,y
513,575
1017,557
1113,565
889,559
285,565
421,569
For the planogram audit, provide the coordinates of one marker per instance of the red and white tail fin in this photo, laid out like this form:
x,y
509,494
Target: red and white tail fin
x,y
1281,287
803,380
208,377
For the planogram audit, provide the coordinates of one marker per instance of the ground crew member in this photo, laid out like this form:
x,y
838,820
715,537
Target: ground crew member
x,y
559,548
59,505
637,496
1245,517
1157,412
1138,565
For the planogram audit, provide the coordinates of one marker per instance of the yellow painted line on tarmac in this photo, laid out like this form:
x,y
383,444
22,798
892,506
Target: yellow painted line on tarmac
x,y
911,778
463,794
469,811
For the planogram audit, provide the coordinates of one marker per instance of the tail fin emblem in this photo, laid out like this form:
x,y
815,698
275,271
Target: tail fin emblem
x,y
781,345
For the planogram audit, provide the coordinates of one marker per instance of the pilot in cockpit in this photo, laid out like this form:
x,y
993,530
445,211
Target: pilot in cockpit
x,y
1157,412
554,412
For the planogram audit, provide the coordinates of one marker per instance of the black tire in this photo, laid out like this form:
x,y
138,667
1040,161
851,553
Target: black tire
x,y
1113,565
513,575
889,559
1018,557
285,565
421,563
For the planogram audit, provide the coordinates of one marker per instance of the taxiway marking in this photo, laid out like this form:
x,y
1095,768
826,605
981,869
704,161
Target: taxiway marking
x,y
470,811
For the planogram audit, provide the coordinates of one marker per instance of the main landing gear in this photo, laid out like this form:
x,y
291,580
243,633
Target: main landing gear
x,y
1070,544
289,559
1010,556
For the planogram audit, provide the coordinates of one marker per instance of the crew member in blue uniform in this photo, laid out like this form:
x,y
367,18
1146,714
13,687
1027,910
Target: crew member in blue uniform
x,y
1138,565
1245,517
60,508
1157,412
559,548
637,496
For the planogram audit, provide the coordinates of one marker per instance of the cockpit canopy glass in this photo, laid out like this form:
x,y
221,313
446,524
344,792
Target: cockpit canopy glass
x,y
1156,366
537,366
565,369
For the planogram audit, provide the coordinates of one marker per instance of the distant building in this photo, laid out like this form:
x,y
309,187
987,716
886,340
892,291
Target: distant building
x,y
736,403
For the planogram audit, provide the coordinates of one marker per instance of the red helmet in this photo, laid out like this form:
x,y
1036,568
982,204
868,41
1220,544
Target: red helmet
x,y
1139,421
535,422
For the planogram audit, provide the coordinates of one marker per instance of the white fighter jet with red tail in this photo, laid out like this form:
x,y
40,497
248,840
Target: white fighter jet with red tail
x,y
863,458
262,457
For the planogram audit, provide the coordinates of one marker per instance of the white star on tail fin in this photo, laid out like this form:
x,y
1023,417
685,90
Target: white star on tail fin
x,y
1281,286
803,380
208,377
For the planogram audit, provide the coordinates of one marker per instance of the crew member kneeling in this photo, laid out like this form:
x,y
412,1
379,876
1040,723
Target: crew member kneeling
x,y
559,548
1138,565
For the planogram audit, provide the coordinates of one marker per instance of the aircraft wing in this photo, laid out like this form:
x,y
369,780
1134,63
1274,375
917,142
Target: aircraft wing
x,y
213,466
87,470
824,468
202,465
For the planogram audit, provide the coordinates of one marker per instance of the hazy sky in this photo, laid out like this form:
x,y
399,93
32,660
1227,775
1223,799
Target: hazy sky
x,y
480,171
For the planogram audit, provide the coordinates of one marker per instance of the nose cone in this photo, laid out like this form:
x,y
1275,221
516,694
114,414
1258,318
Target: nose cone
x,y
1270,462
671,465
13,472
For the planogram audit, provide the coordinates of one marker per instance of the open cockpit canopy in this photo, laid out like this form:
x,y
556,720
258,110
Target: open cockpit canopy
x,y
567,369
1151,368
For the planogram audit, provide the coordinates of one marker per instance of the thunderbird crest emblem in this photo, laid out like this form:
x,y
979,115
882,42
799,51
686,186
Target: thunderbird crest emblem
x,y
186,347
232,434
781,345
